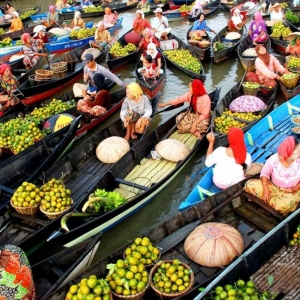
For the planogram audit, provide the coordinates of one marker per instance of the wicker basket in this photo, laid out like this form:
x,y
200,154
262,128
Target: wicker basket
x,y
290,83
163,295
54,215
60,74
58,67
43,74
137,296
30,211
250,91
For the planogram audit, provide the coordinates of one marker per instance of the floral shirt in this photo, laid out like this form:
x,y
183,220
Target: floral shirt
x,y
9,84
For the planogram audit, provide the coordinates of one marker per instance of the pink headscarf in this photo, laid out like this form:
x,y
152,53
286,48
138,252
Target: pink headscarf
x,y
287,147
25,38
257,16
4,67
101,23
148,31
51,7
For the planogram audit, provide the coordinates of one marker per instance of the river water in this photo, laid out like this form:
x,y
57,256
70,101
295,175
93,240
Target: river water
x,y
165,204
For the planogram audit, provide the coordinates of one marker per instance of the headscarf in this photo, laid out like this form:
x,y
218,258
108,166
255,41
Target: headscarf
x,y
152,46
51,7
15,13
287,147
148,31
4,67
236,19
107,9
37,29
198,90
77,14
25,38
101,23
237,144
135,89
99,81
266,57
257,17
139,11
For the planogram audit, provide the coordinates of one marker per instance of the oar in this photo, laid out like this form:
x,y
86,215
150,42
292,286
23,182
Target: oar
x,y
171,107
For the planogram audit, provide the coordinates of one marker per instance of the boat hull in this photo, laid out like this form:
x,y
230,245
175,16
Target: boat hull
x,y
203,53
279,45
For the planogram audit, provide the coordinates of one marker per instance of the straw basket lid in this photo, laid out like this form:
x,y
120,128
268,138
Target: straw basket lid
x,y
172,150
233,36
291,36
270,23
93,51
214,244
112,149
16,57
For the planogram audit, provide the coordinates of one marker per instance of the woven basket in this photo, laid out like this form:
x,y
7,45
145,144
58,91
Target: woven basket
x,y
43,74
137,296
290,83
30,211
54,215
58,67
250,91
60,74
163,295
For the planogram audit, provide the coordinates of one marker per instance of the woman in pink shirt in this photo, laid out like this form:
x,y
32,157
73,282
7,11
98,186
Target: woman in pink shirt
x,y
267,66
279,183
110,18
197,120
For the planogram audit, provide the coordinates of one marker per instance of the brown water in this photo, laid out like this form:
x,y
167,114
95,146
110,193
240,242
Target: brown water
x,y
166,203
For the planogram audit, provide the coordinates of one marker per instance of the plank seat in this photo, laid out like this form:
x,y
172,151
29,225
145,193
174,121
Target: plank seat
x,y
264,157
132,184
266,138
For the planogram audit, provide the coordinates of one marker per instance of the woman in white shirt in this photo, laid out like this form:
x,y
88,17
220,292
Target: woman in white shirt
x,y
276,13
229,163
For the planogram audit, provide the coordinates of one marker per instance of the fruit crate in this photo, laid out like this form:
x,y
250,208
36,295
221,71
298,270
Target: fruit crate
x,y
169,45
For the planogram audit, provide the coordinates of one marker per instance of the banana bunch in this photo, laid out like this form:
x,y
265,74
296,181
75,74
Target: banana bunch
x,y
2,31
6,42
185,8
92,9
82,33
27,14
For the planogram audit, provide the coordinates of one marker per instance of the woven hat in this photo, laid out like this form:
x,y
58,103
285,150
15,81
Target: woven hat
x,y
291,36
276,4
172,150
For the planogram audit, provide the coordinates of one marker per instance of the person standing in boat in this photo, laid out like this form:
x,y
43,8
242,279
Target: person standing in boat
x,y
52,17
90,70
135,112
144,5
234,159
8,10
200,26
160,25
197,120
102,37
258,29
236,23
16,23
279,183
276,13
197,9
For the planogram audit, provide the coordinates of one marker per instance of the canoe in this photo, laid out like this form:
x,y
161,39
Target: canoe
x,y
279,45
203,52
175,14
170,235
16,35
37,11
221,55
248,62
30,93
184,46
262,140
151,87
56,270
115,63
294,26
208,9
65,43
7,52
123,176
244,10
266,270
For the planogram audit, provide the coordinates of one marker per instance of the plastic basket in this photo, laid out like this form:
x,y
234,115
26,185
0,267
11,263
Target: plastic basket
x,y
58,67
30,211
54,215
35,81
137,296
43,74
163,295
250,91
290,83
168,45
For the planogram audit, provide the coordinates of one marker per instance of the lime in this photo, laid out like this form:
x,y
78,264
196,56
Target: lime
x,y
73,289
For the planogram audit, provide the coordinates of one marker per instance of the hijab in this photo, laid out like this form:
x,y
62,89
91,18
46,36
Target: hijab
x,y
152,46
198,91
25,38
135,89
107,10
101,23
15,13
3,68
147,31
287,147
99,81
51,7
237,144
265,57
37,29
257,17
77,15
236,19
141,13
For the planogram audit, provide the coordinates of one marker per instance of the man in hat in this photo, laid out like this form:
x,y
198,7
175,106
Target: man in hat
x,y
160,25
276,13
91,86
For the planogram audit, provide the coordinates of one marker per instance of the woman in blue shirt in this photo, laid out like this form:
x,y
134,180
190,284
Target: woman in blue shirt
x,y
201,24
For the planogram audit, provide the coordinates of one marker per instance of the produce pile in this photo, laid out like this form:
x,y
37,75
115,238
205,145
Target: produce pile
x,y
296,236
293,18
82,33
19,133
91,9
279,30
185,8
184,58
7,42
233,119
27,14
2,31
19,42
293,62
289,76
102,201
118,50
218,46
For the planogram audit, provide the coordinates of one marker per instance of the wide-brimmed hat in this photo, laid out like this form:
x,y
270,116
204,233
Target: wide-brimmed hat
x,y
291,36
276,4
158,10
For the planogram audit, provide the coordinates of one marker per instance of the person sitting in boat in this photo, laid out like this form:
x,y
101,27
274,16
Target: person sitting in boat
x,y
85,3
102,37
98,105
156,57
234,159
9,83
16,23
266,68
236,23
279,183
90,70
197,9
294,46
40,36
130,2
77,22
276,13
200,27
198,119
52,17
60,4
258,29
8,10
14,264
147,39
110,18
144,5
138,27
135,112
160,25
149,69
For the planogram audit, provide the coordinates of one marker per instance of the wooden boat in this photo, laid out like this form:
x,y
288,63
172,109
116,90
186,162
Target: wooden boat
x,y
30,94
175,14
294,26
37,11
245,10
7,52
228,5
230,49
65,43
203,51
279,45
251,221
288,94
115,63
151,87
183,46
262,140
122,177
249,61
208,9
266,270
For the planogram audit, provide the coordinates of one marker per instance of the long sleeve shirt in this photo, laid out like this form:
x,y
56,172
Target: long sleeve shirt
x,y
200,26
160,23
268,71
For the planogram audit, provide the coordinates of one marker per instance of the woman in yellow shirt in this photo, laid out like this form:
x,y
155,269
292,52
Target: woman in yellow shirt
x,y
16,23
